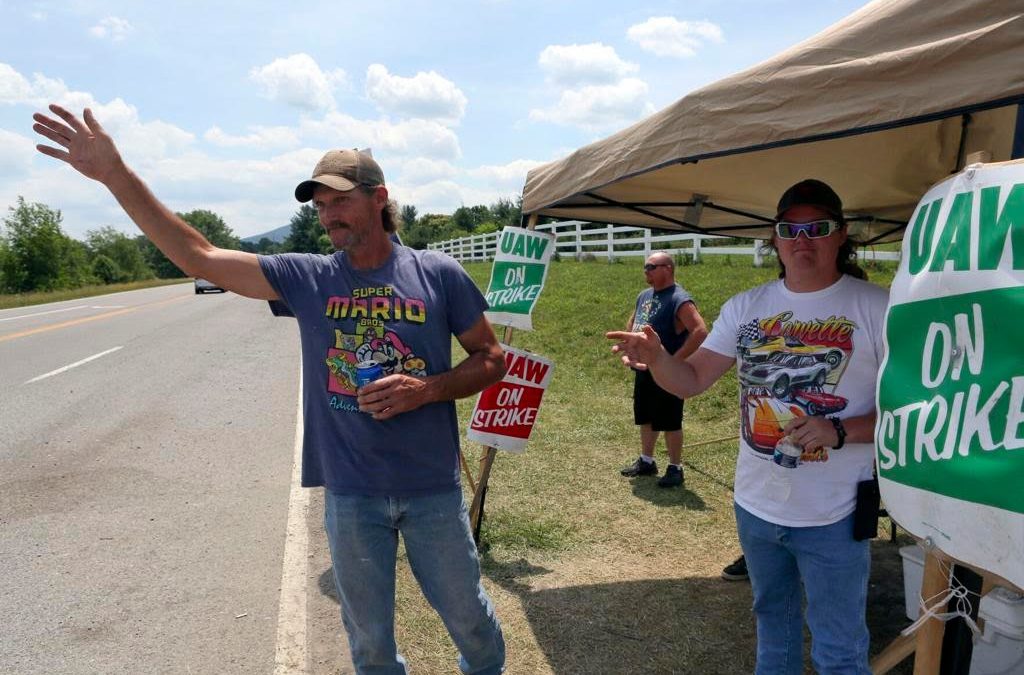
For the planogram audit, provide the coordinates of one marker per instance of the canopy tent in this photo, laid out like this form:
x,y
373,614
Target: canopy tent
x,y
881,105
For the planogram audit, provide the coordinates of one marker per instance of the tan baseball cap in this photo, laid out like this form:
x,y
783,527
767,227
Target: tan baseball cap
x,y
341,170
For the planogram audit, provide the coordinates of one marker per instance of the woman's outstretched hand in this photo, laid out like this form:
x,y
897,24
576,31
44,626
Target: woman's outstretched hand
x,y
636,350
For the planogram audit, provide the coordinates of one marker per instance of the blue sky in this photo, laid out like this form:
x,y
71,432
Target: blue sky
x,y
226,106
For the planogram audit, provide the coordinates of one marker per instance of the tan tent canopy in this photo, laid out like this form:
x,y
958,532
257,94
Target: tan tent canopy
x,y
880,105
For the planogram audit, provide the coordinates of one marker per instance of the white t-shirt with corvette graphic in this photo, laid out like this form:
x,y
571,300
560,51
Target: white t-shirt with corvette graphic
x,y
798,354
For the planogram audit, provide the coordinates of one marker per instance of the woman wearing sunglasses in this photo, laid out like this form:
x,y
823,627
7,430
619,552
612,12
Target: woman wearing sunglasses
x,y
807,348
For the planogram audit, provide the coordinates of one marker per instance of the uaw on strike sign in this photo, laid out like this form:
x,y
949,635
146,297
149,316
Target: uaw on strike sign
x,y
505,412
950,430
517,276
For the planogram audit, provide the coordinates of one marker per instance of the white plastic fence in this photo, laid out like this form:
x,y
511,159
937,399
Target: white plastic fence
x,y
577,239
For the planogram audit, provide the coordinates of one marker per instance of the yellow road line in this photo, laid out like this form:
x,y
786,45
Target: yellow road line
x,y
87,319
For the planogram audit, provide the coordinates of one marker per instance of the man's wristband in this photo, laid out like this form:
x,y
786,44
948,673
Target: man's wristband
x,y
840,432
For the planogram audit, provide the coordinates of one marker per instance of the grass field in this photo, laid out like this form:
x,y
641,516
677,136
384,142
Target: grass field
x,y
595,573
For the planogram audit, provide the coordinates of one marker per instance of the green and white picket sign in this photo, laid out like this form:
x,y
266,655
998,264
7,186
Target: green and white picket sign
x,y
950,431
517,276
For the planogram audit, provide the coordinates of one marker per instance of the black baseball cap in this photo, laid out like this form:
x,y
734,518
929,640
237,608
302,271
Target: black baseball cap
x,y
811,192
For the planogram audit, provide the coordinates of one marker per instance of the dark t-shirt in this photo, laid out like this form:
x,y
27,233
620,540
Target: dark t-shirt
x,y
402,315
657,309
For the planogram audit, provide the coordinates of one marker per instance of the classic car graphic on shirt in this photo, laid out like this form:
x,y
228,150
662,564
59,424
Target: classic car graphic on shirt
x,y
790,369
760,349
782,372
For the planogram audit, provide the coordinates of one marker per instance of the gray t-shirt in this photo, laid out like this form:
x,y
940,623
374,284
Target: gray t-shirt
x,y
402,315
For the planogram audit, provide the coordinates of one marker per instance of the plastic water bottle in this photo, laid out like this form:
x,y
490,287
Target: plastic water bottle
x,y
780,471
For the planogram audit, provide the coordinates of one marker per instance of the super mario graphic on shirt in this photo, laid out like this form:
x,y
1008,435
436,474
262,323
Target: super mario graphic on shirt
x,y
789,369
365,336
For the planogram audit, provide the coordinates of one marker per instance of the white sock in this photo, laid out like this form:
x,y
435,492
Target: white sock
x,y
648,460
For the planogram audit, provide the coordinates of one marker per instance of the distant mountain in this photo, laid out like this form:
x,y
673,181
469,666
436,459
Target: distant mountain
x,y
276,236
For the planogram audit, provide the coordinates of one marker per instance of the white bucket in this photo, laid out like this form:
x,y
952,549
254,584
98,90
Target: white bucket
x,y
1000,651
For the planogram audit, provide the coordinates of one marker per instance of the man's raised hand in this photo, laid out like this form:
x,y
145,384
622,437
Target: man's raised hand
x,y
87,147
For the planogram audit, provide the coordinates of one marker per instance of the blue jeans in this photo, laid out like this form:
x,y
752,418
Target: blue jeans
x,y
833,569
363,536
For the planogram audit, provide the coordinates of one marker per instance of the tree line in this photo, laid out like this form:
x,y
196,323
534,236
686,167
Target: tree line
x,y
37,255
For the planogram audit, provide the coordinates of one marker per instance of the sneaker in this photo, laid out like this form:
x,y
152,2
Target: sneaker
x,y
673,477
736,571
640,468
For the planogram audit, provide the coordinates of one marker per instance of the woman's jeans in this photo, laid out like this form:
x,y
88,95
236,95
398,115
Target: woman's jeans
x,y
833,569
363,536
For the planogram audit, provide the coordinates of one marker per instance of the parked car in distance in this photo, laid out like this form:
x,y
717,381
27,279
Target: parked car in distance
x,y
202,286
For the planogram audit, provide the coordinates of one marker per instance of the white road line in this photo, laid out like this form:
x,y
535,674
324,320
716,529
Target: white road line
x,y
290,656
52,311
57,311
73,365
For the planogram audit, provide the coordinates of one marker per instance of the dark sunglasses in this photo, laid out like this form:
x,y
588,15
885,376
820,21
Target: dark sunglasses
x,y
816,229
650,267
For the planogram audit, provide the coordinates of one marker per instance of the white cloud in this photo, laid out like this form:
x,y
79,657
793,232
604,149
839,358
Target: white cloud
x,y
112,27
14,88
298,80
510,176
426,95
420,170
577,65
668,36
17,155
599,108
407,138
261,137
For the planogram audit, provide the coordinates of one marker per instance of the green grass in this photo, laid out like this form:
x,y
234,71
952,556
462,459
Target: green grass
x,y
592,572
40,298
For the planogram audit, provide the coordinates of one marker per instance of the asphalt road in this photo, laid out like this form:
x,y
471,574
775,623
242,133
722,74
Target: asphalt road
x,y
144,490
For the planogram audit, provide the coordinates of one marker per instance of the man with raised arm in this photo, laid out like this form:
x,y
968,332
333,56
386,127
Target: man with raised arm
x,y
387,453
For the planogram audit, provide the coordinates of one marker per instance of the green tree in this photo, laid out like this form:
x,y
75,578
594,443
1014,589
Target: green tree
x,y
488,227
121,250
408,217
4,252
106,270
213,228
467,218
506,212
306,235
430,228
39,256
208,223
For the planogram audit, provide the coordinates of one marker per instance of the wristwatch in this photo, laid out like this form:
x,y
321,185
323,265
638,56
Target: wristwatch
x,y
840,432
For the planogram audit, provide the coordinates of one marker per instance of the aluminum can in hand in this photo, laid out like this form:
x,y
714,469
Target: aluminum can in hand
x,y
367,372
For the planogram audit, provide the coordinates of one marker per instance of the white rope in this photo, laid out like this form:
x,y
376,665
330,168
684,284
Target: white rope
x,y
937,606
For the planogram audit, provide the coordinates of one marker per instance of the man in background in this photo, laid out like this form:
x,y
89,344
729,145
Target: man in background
x,y
668,309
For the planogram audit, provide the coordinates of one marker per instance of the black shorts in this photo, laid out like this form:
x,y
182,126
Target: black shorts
x,y
655,406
